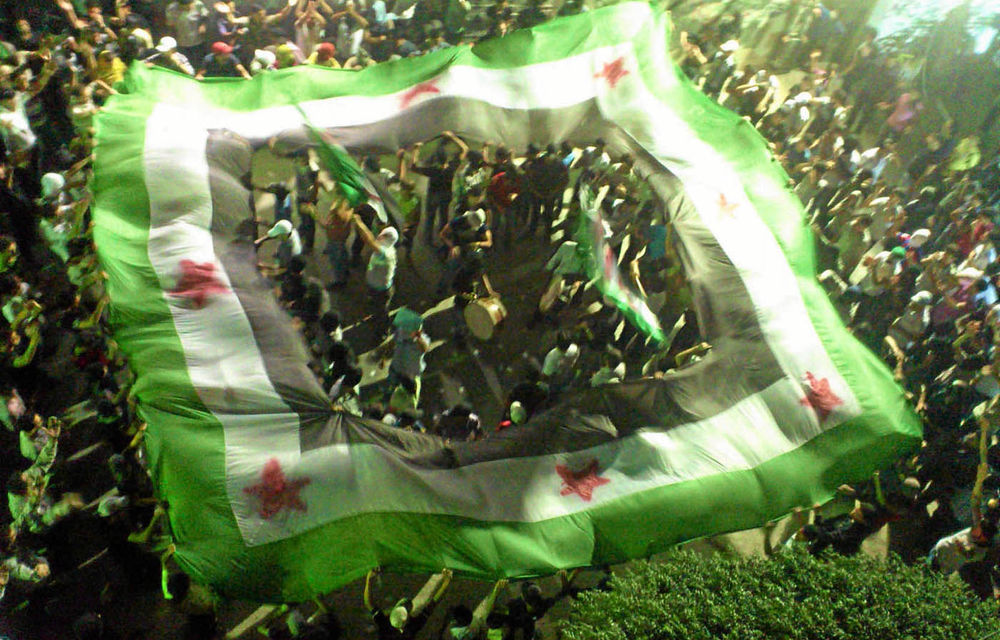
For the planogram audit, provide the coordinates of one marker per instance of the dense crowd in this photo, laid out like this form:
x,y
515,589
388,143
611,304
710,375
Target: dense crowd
x,y
906,247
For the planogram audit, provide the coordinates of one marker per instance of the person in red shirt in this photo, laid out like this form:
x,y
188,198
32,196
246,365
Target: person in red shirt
x,y
501,197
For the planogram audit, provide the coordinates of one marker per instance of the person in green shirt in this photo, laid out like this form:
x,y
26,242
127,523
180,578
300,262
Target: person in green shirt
x,y
30,506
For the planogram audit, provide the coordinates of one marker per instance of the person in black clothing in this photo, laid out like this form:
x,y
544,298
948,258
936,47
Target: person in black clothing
x,y
531,393
466,237
844,534
458,423
439,171
378,41
532,15
523,612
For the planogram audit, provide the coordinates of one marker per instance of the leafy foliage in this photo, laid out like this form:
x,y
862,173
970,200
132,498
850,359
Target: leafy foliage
x,y
792,596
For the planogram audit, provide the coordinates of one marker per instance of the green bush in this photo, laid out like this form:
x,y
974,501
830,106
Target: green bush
x,y
792,596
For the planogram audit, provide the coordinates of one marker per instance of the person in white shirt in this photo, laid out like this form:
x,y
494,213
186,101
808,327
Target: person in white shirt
x,y
289,247
14,126
559,368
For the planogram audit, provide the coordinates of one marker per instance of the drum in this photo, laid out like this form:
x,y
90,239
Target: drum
x,y
484,315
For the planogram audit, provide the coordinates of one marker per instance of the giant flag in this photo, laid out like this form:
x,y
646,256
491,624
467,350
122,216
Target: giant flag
x,y
275,496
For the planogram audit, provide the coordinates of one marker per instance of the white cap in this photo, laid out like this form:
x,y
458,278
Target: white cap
x,y
518,414
52,184
166,44
398,617
477,217
922,297
264,57
388,237
280,228
919,237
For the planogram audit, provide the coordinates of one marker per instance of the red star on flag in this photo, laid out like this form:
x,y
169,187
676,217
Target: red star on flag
x,y
197,282
613,72
275,492
726,207
424,87
582,482
820,397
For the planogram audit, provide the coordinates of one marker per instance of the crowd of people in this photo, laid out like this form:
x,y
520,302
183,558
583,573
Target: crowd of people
x,y
906,246
903,205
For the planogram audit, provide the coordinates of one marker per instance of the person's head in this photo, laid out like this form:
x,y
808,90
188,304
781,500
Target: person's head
x,y
531,593
17,483
284,56
861,222
106,409
399,615
330,321
325,51
89,626
8,98
106,57
863,513
496,620
461,615
387,237
256,12
475,159
921,299
563,341
221,50
52,185
476,218
370,163
166,44
474,196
